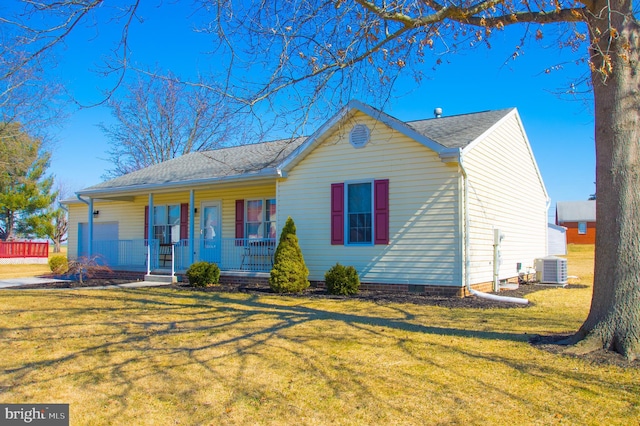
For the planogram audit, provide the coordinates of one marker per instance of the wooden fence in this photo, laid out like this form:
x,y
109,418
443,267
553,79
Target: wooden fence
x,y
23,249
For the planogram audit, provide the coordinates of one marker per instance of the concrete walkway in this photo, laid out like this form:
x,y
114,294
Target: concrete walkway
x,y
17,282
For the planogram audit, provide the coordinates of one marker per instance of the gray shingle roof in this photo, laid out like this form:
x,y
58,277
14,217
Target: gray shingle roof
x,y
219,163
576,211
458,131
262,159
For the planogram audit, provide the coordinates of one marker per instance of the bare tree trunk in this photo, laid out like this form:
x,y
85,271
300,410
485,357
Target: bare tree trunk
x,y
614,320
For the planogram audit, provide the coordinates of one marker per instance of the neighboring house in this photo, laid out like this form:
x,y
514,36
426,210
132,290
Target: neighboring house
x,y
579,217
557,240
426,205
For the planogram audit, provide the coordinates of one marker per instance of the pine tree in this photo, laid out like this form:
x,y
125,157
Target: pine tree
x,y
24,190
289,273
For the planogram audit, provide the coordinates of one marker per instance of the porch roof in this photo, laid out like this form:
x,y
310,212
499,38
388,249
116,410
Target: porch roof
x,y
251,161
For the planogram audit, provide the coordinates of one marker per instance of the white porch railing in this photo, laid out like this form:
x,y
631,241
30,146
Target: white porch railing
x,y
231,254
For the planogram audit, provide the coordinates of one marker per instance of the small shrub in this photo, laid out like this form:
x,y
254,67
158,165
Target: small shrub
x,y
289,273
58,264
88,267
203,274
342,280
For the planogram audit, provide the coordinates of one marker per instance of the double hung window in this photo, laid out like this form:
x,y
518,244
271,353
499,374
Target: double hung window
x,y
166,223
359,213
261,219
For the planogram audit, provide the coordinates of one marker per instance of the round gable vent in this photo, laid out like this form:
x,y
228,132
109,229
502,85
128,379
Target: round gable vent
x,y
359,135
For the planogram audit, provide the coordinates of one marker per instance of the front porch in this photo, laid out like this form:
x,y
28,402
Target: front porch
x,y
151,257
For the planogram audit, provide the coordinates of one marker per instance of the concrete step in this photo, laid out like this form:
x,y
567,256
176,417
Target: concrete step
x,y
161,278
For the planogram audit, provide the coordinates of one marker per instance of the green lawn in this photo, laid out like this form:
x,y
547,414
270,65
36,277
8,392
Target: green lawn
x,y
162,356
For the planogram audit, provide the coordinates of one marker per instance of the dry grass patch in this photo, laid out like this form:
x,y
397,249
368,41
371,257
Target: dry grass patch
x,y
28,270
21,271
162,356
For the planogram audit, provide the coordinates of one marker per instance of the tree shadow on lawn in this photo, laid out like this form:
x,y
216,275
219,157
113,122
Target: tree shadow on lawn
x,y
235,327
548,343
253,323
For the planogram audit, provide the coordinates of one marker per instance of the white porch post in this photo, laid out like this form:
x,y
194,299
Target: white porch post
x,y
192,215
173,257
150,234
90,229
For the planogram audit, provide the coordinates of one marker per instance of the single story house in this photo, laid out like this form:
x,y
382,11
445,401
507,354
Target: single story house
x,y
431,205
579,217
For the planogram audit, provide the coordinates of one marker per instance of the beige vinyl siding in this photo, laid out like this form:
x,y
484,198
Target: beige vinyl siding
x,y
505,193
424,245
130,215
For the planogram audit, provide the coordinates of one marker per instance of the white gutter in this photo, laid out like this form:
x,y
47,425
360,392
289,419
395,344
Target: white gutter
x,y
166,186
467,245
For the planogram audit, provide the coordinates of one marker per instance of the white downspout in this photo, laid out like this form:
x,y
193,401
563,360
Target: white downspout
x,y
150,233
467,245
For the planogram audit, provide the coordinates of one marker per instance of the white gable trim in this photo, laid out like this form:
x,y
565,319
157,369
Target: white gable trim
x,y
509,115
347,111
490,130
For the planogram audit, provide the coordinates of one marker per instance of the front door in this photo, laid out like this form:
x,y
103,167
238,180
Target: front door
x,y
210,232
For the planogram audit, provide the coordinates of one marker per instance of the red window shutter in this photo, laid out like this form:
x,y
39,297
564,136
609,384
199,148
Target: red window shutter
x,y
381,211
146,224
337,213
239,220
184,221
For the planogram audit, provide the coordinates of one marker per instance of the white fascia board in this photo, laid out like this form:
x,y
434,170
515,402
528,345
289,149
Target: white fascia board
x,y
512,113
303,150
533,159
160,187
312,141
490,130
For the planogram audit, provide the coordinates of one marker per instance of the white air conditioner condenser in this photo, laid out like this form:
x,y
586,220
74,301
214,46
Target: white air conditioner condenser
x,y
551,270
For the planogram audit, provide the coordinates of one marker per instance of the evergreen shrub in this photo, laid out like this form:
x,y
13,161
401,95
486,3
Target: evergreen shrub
x,y
58,264
342,280
289,273
203,274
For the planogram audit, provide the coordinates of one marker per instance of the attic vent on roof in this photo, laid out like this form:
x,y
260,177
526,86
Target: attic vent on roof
x,y
359,135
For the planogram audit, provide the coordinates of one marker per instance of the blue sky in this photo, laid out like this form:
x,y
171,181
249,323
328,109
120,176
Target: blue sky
x,y
560,129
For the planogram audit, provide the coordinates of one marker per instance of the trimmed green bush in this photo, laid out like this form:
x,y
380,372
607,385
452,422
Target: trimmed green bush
x,y
289,273
342,280
203,274
58,264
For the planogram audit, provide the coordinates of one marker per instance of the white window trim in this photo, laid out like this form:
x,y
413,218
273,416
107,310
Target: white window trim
x,y
263,219
347,234
166,220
